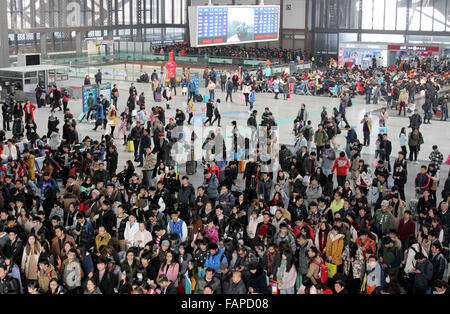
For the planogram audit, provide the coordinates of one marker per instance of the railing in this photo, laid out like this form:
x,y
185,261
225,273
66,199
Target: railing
x,y
198,60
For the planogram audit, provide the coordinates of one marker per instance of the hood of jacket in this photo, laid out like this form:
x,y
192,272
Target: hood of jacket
x,y
337,237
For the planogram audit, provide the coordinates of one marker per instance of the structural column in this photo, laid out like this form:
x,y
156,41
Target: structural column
x,y
4,42
44,54
78,46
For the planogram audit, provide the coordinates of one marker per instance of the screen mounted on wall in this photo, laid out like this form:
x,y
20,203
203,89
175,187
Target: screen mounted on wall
x,y
214,25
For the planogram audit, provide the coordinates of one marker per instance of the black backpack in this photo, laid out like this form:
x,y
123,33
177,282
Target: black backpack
x,y
199,98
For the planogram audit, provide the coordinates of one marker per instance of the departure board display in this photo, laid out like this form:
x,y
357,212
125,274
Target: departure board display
x,y
214,25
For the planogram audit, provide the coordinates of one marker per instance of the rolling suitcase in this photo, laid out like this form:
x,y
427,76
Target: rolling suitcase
x,y
81,116
191,167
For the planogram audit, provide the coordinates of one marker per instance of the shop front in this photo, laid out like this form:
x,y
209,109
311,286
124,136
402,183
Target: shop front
x,y
409,52
365,55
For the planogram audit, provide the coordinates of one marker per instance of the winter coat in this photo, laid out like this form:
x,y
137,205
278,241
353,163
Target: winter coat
x,y
202,283
423,279
171,272
213,184
415,139
384,221
439,265
214,261
258,281
231,288
334,248
321,138
313,193
288,278
357,264
289,238
302,257
341,165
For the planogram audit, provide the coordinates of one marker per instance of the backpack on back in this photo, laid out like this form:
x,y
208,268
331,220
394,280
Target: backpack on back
x,y
323,272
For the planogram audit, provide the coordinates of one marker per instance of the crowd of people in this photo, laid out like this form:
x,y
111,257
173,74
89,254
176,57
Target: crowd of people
x,y
264,53
73,220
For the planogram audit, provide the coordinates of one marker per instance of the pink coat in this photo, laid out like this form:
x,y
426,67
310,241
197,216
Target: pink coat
x,y
123,127
212,233
171,272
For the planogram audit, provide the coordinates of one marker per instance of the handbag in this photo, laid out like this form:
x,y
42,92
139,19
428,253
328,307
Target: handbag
x,y
130,146
274,287
448,160
332,269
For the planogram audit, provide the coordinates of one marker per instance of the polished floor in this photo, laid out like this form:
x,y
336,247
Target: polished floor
x,y
284,111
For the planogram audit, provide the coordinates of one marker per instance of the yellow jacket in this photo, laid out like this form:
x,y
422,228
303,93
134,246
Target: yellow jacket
x,y
30,166
99,242
335,247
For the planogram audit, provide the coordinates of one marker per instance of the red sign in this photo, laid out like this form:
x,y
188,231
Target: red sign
x,y
413,48
341,54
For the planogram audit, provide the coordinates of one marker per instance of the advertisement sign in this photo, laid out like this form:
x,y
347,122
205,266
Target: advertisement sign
x,y
105,89
88,89
195,80
413,48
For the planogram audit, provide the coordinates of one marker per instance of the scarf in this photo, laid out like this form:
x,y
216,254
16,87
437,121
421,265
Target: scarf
x,y
281,270
270,257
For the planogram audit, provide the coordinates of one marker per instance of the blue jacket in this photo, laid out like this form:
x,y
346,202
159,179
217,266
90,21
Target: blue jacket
x,y
191,87
214,261
100,111
351,136
51,183
252,97
184,82
342,107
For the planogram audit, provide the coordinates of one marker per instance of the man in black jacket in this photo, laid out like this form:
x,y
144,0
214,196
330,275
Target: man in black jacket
x,y
230,174
8,284
105,278
186,198
438,261
106,218
14,245
101,174
258,282
235,284
386,150
136,133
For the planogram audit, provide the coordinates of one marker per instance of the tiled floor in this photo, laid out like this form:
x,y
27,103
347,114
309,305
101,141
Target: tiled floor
x,y
284,112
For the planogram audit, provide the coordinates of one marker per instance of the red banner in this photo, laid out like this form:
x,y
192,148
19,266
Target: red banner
x,y
413,48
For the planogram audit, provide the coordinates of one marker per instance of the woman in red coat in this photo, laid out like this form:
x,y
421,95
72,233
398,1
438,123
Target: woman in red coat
x,y
29,108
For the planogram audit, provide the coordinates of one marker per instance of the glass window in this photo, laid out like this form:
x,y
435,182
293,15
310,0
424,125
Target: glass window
x,y
159,11
414,15
126,10
354,14
177,11
401,15
184,12
439,15
343,17
378,14
154,12
168,10
390,14
332,14
320,13
367,14
347,37
427,16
